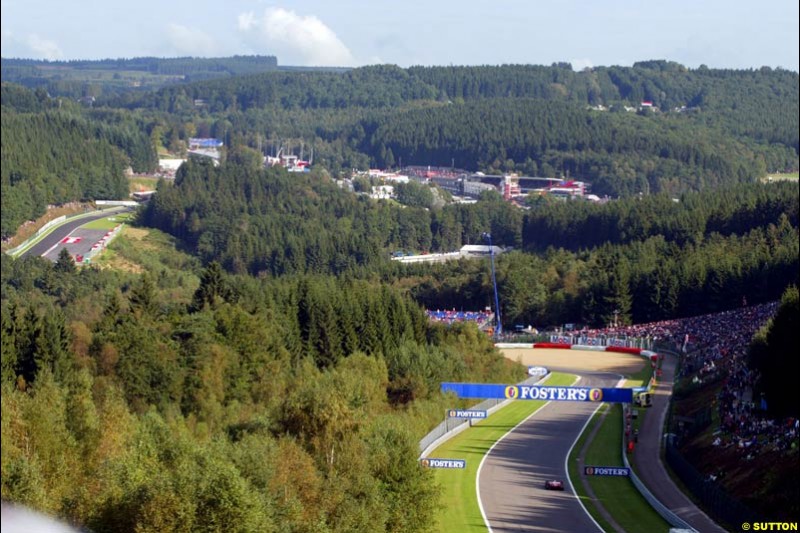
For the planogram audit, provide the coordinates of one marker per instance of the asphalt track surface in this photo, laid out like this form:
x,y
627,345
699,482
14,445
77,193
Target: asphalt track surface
x,y
51,240
651,469
511,481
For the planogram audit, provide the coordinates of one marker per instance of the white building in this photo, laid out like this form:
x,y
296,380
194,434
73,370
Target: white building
x,y
382,192
479,250
170,165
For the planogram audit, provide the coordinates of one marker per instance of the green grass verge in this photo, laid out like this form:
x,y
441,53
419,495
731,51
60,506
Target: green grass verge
x,y
618,495
101,223
142,183
110,222
460,512
574,473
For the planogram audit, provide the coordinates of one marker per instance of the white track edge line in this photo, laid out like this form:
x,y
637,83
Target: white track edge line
x,y
566,459
566,468
480,466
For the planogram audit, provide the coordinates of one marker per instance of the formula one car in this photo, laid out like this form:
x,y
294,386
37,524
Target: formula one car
x,y
554,484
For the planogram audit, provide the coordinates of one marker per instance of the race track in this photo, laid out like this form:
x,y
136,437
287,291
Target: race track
x,y
50,245
511,480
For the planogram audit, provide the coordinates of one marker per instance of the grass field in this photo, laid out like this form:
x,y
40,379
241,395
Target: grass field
x,y
140,183
108,223
460,512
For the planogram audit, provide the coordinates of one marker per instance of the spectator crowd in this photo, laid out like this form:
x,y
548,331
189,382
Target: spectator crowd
x,y
451,316
714,349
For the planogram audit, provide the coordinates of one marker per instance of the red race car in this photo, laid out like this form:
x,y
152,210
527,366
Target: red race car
x,y
554,484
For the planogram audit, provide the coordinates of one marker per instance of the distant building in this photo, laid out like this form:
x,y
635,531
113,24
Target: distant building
x,y
382,192
452,184
511,187
479,250
475,188
170,166
387,175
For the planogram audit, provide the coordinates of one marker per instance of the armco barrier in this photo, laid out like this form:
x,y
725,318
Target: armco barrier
x,y
644,343
15,251
587,348
673,519
647,354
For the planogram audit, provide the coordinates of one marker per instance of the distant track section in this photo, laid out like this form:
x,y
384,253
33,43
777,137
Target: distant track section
x,y
63,231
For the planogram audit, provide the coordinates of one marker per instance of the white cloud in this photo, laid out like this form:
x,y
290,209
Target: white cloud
x,y
43,48
295,39
31,46
190,42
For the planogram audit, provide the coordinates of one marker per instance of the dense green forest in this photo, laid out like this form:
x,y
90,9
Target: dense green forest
x,y
771,354
651,257
105,77
53,154
166,402
709,126
715,127
157,65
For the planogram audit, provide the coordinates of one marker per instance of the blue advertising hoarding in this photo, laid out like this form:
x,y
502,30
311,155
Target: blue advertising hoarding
x,y
533,392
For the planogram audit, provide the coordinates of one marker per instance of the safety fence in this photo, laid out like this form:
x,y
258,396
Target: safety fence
x,y
721,505
647,354
644,343
25,245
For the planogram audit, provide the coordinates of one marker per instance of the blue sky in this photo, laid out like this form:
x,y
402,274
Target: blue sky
x,y
719,34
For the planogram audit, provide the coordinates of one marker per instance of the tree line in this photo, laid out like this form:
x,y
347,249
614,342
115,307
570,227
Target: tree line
x,y
715,126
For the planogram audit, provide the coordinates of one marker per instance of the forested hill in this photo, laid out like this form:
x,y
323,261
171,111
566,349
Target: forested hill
x,y
77,78
52,155
374,86
649,257
666,85
705,127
